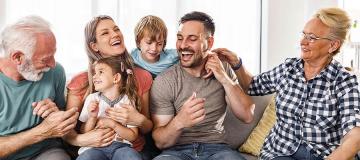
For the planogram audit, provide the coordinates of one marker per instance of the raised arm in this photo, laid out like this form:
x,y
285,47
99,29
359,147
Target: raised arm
x,y
242,74
241,104
92,110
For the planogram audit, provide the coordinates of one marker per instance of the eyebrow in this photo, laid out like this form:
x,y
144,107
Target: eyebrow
x,y
105,29
191,35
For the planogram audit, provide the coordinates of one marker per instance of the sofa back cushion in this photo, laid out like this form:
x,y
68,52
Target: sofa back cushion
x,y
237,131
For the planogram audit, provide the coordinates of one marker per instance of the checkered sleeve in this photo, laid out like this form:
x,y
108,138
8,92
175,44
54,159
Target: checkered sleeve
x,y
349,103
266,83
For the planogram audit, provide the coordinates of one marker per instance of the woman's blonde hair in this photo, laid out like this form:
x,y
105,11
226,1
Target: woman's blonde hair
x,y
338,21
90,37
151,25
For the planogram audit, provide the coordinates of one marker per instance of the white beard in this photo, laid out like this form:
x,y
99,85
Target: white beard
x,y
28,71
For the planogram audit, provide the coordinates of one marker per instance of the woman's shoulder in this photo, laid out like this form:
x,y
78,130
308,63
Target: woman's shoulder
x,y
79,81
139,72
143,79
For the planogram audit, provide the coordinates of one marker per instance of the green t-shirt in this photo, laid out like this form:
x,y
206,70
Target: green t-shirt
x,y
16,110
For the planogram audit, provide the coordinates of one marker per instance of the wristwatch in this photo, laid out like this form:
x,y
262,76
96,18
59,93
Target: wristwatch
x,y
237,66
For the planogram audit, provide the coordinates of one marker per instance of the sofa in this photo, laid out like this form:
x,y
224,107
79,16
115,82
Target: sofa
x,y
237,131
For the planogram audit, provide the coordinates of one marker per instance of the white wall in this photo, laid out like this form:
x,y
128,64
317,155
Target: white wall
x,y
283,20
2,14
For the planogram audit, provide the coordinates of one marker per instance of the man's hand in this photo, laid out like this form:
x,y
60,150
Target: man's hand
x,y
227,55
58,123
191,113
214,64
44,108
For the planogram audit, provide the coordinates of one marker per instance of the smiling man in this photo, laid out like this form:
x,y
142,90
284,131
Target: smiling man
x,y
32,94
187,109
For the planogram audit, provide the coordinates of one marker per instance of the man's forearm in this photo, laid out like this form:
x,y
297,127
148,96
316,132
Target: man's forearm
x,y
13,143
166,136
240,103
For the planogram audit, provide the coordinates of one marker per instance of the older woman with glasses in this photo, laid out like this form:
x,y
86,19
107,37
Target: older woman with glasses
x,y
317,102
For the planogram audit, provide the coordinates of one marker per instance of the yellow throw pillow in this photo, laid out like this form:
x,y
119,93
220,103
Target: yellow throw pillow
x,y
257,137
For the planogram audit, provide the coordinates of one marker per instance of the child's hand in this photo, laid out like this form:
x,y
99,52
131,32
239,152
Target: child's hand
x,y
106,123
93,109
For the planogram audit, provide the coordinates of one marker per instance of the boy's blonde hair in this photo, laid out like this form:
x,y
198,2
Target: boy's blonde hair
x,y
151,25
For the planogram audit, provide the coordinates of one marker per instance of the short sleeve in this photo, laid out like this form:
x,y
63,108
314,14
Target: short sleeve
x,y
60,86
143,79
78,85
84,113
161,99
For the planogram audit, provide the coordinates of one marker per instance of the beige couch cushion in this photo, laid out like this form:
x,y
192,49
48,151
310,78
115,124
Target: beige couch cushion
x,y
237,131
257,137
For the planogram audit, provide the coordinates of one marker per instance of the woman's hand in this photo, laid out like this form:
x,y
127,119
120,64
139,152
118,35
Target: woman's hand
x,y
105,123
227,55
97,138
126,114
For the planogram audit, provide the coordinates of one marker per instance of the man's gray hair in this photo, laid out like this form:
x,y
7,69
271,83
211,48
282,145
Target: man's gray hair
x,y
21,36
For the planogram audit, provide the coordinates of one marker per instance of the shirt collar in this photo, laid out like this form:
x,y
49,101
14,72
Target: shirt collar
x,y
328,73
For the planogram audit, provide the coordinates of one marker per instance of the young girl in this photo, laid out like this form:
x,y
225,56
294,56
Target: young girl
x,y
114,82
150,37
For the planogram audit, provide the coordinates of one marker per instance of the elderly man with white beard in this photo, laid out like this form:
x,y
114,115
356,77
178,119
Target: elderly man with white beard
x,y
32,93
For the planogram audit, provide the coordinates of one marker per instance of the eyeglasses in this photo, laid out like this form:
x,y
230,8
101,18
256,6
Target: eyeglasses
x,y
312,37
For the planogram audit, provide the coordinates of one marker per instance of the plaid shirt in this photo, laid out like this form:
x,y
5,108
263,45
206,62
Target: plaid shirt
x,y
317,112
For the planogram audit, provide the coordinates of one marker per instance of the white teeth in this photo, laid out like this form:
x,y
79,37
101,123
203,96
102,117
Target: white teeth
x,y
115,43
186,53
305,50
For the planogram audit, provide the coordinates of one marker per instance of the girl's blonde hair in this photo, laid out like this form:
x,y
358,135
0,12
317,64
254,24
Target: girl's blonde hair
x,y
338,21
128,82
151,25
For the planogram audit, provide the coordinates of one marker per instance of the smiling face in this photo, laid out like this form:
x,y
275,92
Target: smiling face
x,y
151,49
192,44
103,78
42,60
319,50
109,39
